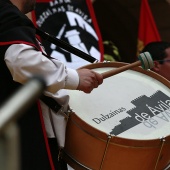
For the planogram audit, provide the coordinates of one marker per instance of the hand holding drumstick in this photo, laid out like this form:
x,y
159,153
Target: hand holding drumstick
x,y
145,60
90,79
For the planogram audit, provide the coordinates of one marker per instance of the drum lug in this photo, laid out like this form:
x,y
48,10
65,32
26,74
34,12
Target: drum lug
x,y
65,114
106,61
69,111
60,154
162,139
106,148
167,167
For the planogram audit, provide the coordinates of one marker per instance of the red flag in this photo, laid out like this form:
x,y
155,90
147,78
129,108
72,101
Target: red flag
x,y
148,31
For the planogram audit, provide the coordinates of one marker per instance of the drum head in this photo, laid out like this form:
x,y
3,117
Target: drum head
x,y
134,104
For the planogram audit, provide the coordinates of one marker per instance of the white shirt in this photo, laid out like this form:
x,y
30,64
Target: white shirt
x,y
24,61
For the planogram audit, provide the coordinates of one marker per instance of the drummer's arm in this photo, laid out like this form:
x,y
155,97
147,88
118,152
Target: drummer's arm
x,y
23,61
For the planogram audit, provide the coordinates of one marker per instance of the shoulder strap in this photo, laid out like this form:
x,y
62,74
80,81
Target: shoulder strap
x,y
65,46
50,102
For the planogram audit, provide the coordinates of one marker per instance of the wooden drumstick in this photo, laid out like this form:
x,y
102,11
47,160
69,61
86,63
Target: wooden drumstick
x,y
145,60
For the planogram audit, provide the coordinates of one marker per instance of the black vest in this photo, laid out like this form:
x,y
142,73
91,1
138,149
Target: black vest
x,y
15,28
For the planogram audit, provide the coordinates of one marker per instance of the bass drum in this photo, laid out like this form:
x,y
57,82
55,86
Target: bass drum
x,y
123,124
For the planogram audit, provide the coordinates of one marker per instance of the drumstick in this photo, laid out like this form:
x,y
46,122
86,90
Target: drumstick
x,y
145,60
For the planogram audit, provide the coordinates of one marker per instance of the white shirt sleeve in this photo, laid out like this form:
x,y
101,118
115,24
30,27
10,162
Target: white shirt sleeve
x,y
24,61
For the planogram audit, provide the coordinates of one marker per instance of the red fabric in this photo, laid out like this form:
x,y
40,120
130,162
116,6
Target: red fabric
x,y
91,10
45,137
148,31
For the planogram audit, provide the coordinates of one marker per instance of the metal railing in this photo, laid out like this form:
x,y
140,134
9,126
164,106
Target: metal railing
x,y
10,111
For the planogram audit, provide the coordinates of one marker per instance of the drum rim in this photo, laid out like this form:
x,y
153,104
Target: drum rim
x,y
138,69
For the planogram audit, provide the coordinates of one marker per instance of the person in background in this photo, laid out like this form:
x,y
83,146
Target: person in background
x,y
22,56
160,52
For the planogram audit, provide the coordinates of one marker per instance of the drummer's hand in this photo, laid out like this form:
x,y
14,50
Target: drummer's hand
x,y
88,80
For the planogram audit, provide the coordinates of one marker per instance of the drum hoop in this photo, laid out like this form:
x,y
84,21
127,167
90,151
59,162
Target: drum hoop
x,y
138,69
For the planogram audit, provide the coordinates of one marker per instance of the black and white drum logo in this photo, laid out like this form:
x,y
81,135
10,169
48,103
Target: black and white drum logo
x,y
150,111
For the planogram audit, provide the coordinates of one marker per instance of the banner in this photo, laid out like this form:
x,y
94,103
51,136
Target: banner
x,y
148,31
73,22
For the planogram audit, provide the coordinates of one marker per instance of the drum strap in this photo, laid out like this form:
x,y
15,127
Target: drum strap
x,y
50,102
65,46
160,152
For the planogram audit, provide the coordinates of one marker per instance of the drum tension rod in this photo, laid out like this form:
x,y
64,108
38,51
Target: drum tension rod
x,y
107,145
162,139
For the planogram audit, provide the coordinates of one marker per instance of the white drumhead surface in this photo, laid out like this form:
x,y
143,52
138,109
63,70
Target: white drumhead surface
x,y
130,105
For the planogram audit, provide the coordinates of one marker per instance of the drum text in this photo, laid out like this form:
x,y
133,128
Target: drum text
x,y
161,112
108,116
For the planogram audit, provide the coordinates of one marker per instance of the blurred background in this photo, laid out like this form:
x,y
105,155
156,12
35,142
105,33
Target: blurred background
x,y
119,20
